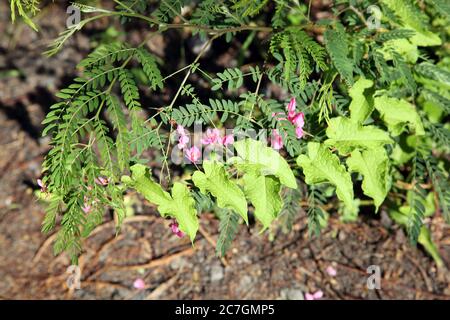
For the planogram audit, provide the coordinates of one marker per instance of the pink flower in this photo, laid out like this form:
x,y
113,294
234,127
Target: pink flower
x,y
228,139
180,130
299,132
275,140
193,154
212,136
182,142
291,108
298,120
139,284
314,296
101,181
331,271
86,208
42,185
175,230
183,139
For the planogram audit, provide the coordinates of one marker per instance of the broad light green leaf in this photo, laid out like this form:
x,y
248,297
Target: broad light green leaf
x,y
182,208
373,164
323,166
361,106
215,181
347,136
267,160
413,19
181,205
396,113
264,194
141,181
402,46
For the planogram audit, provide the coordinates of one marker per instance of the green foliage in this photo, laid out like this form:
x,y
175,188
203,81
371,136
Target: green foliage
x,y
216,181
255,157
338,49
375,105
346,136
25,9
373,164
320,165
228,228
295,51
264,194
397,113
417,209
180,205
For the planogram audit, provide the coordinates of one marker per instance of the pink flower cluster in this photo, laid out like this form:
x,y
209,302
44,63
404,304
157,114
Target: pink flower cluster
x,y
296,118
193,153
175,230
211,137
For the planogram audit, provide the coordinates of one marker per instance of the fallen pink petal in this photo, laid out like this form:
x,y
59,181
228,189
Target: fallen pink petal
x,y
331,271
309,296
139,284
318,294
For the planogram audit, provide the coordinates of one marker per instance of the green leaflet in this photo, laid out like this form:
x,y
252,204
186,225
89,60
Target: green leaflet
x,y
264,193
347,136
215,180
397,113
338,49
373,164
266,160
180,205
413,19
323,166
361,107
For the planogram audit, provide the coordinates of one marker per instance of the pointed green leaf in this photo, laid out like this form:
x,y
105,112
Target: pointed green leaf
x,y
181,205
396,113
267,160
347,136
373,164
143,183
264,194
361,106
320,165
215,181
182,208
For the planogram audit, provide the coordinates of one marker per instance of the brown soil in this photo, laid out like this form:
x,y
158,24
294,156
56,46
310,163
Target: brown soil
x,y
255,268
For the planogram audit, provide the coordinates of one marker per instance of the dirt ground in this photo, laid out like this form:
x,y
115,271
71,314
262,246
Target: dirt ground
x,y
256,267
